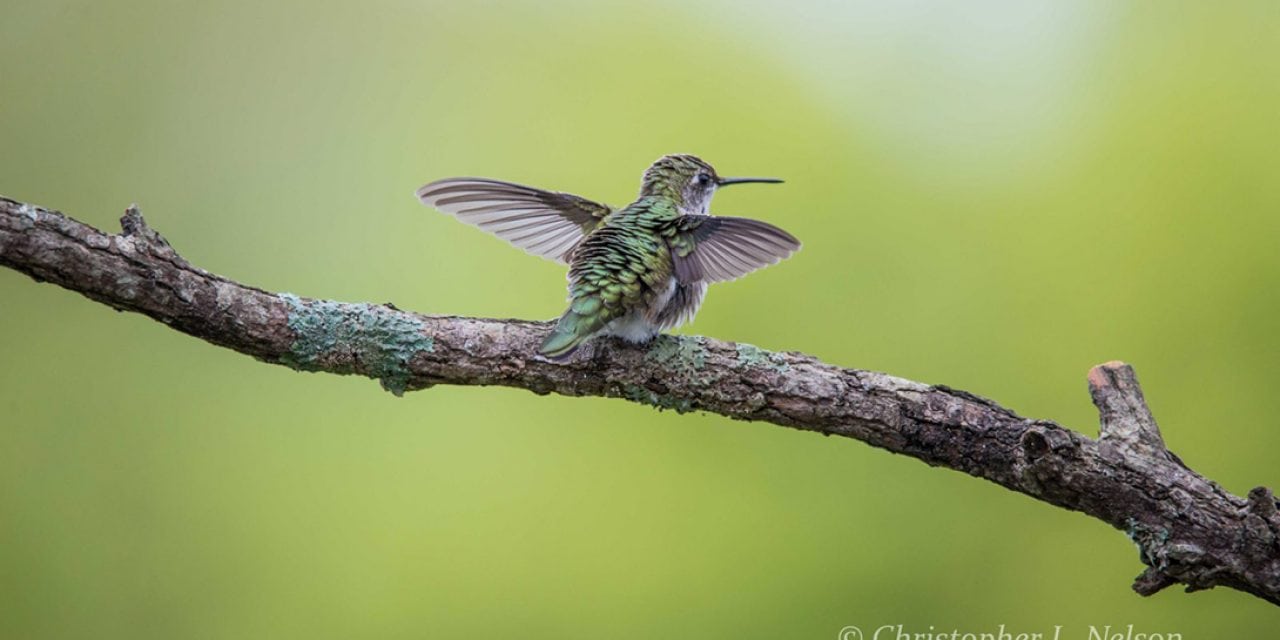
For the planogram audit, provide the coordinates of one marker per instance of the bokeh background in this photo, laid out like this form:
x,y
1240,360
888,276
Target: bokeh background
x,y
992,195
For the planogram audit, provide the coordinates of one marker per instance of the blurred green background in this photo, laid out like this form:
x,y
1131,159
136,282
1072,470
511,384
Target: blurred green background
x,y
992,195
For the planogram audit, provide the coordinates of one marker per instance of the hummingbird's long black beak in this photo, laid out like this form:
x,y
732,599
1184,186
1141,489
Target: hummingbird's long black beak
x,y
729,181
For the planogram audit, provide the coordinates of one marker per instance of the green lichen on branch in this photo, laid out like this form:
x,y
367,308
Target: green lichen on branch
x,y
660,401
682,359
680,355
750,355
685,354
348,338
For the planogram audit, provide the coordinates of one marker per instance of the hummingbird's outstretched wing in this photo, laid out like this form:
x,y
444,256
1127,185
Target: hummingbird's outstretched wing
x,y
718,248
545,223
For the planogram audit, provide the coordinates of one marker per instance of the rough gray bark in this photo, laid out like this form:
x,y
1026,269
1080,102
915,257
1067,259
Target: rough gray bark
x,y
1187,528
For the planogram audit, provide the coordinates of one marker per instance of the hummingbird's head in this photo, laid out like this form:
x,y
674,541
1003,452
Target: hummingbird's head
x,y
688,181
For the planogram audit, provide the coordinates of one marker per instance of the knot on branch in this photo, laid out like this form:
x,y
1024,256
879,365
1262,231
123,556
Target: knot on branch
x,y
1262,520
1047,452
1262,503
1043,439
1034,445
134,227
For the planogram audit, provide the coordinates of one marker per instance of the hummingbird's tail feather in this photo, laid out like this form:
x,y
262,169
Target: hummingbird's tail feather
x,y
560,344
573,328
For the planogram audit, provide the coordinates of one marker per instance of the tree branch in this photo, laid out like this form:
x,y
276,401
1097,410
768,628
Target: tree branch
x,y
1187,528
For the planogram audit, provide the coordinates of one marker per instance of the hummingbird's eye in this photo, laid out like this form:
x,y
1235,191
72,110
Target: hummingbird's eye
x,y
703,179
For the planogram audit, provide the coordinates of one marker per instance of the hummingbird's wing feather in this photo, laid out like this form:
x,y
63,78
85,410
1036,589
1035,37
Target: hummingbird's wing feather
x,y
545,223
718,248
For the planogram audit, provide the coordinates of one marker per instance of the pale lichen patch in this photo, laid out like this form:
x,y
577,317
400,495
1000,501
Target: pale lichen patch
x,y
875,379
28,216
683,353
750,355
351,338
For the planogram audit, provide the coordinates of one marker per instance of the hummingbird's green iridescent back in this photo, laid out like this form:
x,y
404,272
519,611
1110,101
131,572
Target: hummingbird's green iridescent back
x,y
634,272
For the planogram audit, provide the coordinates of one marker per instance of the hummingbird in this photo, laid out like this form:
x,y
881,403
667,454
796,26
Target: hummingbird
x,y
634,271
